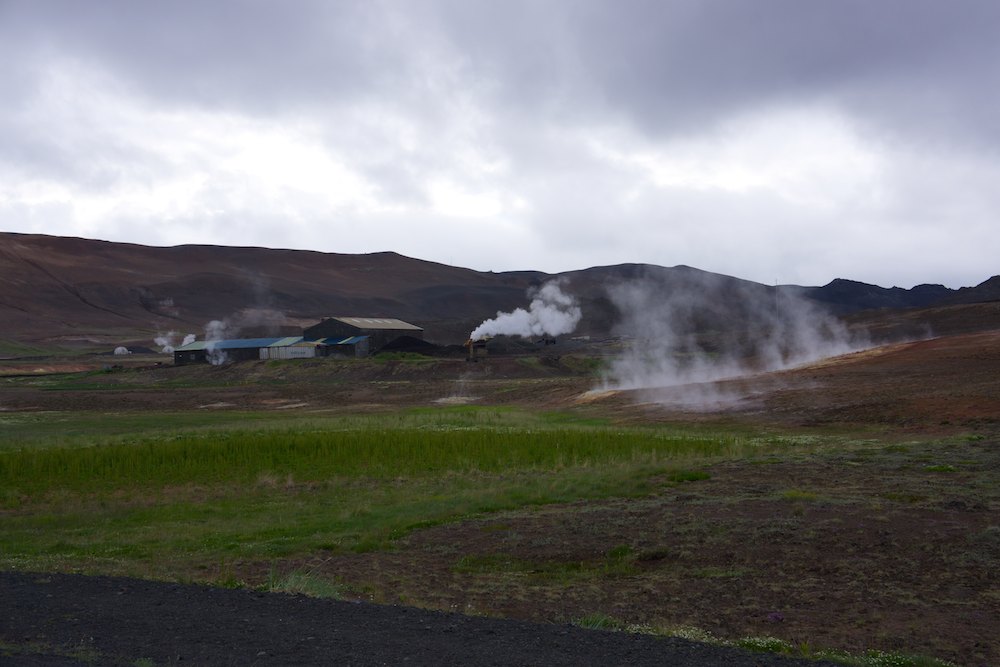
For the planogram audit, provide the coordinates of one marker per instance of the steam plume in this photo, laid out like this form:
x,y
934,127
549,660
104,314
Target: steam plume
x,y
215,331
551,312
166,341
700,328
264,320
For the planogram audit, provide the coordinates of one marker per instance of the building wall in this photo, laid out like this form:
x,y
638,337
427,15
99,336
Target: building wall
x,y
332,328
288,352
243,353
380,337
193,357
358,350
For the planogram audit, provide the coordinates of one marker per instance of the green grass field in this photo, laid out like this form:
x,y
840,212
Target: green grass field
x,y
171,495
210,496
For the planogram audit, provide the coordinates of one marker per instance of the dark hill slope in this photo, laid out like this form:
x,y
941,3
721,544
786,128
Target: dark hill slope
x,y
988,290
847,296
61,287
56,289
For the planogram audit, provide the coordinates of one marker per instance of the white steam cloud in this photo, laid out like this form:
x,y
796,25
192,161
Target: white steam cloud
x,y
167,342
215,331
551,312
701,328
265,321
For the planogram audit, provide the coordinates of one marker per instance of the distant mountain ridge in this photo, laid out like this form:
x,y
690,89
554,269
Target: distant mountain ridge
x,y
848,296
61,289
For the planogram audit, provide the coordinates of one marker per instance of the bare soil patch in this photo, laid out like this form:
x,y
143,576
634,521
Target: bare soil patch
x,y
942,385
854,551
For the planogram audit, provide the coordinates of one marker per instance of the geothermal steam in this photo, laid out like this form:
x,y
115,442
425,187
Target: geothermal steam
x,y
266,320
551,312
215,331
700,328
167,342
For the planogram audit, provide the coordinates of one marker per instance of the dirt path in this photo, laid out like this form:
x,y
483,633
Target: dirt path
x,y
56,619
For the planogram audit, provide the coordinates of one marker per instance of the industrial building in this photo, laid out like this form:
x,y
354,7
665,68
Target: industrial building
x,y
292,347
355,346
379,330
345,337
218,351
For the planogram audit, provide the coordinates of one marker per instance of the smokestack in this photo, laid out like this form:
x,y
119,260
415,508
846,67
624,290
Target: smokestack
x,y
477,349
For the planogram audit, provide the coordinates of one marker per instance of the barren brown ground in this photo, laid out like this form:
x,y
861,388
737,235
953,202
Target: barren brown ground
x,y
940,385
891,541
855,550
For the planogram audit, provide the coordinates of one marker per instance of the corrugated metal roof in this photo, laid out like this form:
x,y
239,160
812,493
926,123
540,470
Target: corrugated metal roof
x,y
230,344
353,340
286,341
243,343
378,323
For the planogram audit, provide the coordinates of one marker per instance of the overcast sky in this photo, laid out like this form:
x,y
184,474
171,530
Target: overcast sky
x,y
790,141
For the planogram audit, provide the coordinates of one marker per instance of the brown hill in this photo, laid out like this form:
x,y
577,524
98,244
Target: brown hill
x,y
65,289
72,291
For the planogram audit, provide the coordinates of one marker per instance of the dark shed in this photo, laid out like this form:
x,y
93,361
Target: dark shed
x,y
379,330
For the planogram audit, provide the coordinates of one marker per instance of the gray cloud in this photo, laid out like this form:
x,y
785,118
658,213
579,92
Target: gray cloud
x,y
245,54
673,66
789,140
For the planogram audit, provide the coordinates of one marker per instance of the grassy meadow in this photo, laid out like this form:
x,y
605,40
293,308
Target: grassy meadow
x,y
210,496
176,495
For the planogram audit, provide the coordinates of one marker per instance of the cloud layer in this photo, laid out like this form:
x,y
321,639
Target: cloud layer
x,y
775,141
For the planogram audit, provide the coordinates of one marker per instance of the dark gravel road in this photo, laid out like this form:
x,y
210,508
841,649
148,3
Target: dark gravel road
x,y
56,620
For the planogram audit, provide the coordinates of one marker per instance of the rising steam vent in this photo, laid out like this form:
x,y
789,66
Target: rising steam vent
x,y
551,312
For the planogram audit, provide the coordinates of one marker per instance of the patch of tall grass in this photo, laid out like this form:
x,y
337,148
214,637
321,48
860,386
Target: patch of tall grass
x,y
167,495
242,456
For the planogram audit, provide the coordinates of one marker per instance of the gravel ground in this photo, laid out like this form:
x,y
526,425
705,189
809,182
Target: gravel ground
x,y
56,620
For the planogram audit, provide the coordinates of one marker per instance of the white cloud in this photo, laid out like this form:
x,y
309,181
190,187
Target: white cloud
x,y
808,157
565,135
